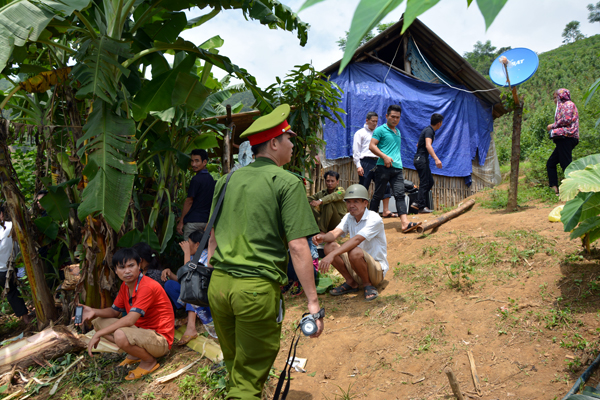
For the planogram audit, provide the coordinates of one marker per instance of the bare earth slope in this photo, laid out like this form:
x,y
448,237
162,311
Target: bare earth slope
x,y
525,306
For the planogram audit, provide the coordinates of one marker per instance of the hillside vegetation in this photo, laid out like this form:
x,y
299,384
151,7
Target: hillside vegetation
x,y
573,66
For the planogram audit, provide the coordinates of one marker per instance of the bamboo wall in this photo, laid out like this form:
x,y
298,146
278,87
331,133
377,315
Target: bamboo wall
x,y
447,191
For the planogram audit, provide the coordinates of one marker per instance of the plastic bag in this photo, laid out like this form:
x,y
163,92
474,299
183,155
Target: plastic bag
x,y
554,215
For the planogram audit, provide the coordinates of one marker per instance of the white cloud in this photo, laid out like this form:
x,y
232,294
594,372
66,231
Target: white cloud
x,y
266,53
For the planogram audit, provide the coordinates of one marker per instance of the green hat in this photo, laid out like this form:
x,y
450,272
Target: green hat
x,y
356,191
269,126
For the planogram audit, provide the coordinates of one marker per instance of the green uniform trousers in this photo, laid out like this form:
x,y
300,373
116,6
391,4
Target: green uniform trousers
x,y
328,218
245,312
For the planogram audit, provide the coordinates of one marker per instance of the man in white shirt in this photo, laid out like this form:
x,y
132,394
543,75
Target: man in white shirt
x,y
363,258
365,160
6,249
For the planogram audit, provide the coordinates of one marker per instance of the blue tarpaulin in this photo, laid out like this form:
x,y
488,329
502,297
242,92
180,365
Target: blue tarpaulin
x,y
467,127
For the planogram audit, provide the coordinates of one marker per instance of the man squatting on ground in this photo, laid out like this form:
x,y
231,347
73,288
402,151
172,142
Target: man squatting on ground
x,y
264,211
365,160
363,258
386,144
148,329
421,161
328,205
196,207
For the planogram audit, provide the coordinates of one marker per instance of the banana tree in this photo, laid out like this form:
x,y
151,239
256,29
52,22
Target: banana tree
x,y
121,90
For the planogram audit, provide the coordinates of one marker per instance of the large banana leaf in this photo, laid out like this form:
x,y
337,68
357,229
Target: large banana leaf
x,y
24,20
110,139
56,203
585,180
157,94
97,66
581,163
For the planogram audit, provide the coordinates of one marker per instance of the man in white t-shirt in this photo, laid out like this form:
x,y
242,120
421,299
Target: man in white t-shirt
x,y
363,258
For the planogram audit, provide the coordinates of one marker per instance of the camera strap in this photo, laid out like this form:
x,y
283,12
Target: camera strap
x,y
285,374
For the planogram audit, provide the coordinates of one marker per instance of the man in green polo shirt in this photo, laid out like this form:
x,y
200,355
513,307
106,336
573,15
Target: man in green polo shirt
x,y
386,144
264,212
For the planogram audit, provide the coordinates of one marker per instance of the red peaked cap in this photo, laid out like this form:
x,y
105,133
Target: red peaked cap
x,y
269,126
269,134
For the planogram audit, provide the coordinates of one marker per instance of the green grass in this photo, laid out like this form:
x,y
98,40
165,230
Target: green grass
x,y
497,199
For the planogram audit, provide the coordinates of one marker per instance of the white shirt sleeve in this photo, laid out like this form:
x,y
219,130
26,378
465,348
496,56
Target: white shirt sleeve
x,y
343,225
357,148
373,226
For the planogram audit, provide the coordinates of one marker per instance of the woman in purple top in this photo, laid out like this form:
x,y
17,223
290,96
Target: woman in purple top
x,y
565,134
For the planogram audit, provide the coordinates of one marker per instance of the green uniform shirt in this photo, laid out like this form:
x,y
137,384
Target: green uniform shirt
x,y
264,208
337,198
389,143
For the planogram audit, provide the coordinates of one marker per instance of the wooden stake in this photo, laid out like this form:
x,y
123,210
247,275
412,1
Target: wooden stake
x,y
454,384
474,373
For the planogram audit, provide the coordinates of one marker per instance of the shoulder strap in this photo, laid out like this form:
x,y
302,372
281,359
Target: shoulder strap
x,y
210,224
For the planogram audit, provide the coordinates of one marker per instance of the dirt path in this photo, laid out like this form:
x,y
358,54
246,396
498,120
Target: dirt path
x,y
527,313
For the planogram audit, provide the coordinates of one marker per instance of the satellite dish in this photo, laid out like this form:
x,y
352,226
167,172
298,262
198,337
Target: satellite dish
x,y
521,64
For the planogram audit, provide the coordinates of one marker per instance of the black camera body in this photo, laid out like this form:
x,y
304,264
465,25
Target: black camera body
x,y
308,323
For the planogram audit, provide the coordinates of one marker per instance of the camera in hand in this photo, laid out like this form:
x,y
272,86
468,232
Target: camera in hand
x,y
308,323
78,315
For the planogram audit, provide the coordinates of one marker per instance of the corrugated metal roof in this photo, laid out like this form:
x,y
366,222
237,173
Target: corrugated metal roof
x,y
435,50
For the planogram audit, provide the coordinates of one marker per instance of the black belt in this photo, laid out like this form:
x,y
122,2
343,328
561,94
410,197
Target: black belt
x,y
370,158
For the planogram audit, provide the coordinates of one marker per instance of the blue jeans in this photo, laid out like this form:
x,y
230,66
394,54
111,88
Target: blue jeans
x,y
173,288
395,178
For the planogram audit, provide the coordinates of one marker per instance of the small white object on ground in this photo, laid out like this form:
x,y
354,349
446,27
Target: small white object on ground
x,y
298,363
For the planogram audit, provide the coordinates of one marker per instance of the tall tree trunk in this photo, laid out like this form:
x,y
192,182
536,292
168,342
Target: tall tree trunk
x,y
22,226
515,157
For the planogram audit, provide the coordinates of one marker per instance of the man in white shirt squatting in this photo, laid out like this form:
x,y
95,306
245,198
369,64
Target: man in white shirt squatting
x,y
363,258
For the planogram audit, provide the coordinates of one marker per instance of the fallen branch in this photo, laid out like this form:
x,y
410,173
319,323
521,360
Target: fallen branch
x,y
474,373
446,217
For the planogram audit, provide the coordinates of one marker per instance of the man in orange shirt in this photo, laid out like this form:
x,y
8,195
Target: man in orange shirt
x,y
147,330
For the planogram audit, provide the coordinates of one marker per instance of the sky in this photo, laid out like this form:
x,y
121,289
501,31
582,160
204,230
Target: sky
x,y
267,53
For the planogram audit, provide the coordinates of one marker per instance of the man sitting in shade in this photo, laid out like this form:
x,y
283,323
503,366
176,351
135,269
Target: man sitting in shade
x,y
363,258
328,205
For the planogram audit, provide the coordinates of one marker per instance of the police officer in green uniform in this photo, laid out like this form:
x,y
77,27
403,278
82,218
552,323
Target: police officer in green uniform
x,y
264,212
328,205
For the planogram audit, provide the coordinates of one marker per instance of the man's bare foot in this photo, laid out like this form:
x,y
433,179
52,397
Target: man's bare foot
x,y
148,364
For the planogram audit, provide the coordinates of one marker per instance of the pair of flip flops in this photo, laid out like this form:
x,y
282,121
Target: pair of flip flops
x,y
138,372
344,288
411,227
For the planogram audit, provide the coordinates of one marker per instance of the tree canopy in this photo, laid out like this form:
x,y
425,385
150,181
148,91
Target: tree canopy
x,y
571,33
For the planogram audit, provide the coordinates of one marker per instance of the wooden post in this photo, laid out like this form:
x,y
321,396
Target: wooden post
x,y
516,154
454,384
405,49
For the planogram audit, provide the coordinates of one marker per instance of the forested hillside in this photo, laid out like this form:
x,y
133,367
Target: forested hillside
x,y
573,66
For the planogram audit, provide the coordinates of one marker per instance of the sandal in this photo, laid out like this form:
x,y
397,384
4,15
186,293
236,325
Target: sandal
x,y
185,339
411,227
139,372
344,288
371,291
128,361
390,215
